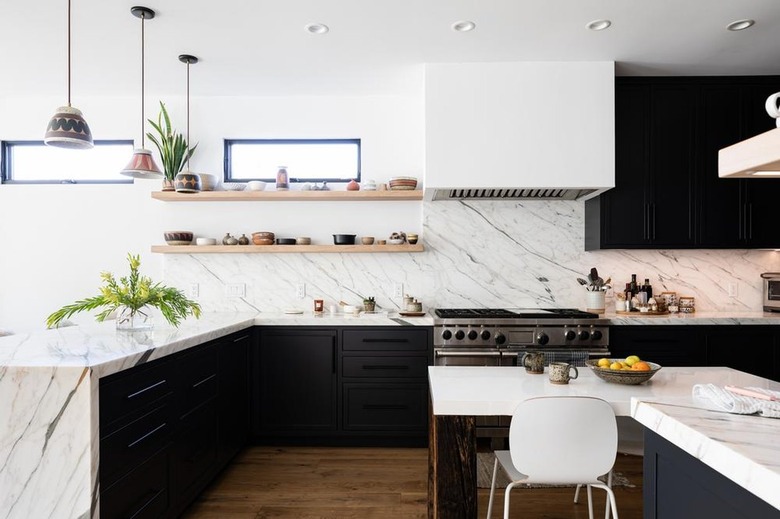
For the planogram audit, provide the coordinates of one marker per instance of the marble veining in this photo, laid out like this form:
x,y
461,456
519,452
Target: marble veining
x,y
478,253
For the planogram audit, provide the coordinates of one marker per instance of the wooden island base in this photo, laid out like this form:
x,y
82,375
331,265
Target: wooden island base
x,y
452,467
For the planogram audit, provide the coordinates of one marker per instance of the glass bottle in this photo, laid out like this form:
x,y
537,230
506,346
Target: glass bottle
x,y
648,288
282,182
633,285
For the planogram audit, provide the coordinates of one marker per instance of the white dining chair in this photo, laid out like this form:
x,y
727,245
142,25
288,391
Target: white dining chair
x,y
559,440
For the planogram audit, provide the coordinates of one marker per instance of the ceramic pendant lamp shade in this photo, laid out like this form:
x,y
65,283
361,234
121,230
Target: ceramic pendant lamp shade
x,y
67,128
142,163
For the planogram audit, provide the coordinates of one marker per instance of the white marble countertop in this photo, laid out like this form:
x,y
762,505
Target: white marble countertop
x,y
745,449
702,318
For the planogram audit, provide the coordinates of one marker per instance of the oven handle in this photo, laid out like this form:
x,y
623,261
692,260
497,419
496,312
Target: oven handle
x,y
447,353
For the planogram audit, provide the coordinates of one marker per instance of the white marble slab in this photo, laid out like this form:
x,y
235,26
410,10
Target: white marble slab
x,y
745,449
696,318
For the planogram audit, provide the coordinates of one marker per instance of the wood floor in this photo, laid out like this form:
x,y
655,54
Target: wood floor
x,y
368,483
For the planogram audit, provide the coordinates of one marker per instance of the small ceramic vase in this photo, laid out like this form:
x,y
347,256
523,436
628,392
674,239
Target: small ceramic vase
x,y
353,186
227,238
167,185
232,240
243,240
187,182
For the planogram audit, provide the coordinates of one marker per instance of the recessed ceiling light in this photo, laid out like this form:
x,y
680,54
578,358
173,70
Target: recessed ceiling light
x,y
599,25
317,28
464,26
740,25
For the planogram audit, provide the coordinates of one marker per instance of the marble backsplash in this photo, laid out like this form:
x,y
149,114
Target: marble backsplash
x,y
483,254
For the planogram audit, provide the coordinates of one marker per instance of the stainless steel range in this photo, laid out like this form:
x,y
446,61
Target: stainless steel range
x,y
499,337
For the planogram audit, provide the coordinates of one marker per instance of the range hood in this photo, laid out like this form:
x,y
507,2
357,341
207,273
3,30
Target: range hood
x,y
757,157
519,130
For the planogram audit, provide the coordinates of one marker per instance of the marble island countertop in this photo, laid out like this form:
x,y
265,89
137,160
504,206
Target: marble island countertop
x,y
696,318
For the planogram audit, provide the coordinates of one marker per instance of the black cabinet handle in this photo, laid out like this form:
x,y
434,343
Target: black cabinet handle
x,y
750,221
652,220
241,338
385,406
379,366
743,228
146,504
201,382
147,435
333,359
646,222
385,340
133,395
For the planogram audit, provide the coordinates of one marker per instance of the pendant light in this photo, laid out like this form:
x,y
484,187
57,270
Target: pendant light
x,y
142,163
189,60
186,180
67,128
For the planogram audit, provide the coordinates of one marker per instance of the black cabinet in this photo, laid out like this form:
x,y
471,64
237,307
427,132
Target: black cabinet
x,y
667,191
672,345
751,349
294,374
233,394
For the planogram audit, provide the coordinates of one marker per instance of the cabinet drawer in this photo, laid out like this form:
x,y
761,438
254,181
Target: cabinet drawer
x,y
142,494
385,367
386,340
129,392
194,452
198,378
386,407
127,446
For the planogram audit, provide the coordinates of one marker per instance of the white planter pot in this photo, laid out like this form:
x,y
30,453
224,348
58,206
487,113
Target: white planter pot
x,y
596,301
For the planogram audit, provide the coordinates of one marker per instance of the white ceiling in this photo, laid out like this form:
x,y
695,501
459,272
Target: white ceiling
x,y
259,47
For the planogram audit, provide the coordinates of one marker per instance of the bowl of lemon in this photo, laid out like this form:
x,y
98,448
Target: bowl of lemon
x,y
631,370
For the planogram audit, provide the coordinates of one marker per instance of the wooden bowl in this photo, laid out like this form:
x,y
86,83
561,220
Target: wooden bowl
x,y
625,377
178,237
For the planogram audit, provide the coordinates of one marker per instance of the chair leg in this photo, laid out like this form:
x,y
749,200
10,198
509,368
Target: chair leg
x,y
577,493
611,497
590,501
509,488
492,489
606,505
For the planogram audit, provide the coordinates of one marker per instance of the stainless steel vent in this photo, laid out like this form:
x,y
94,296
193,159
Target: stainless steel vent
x,y
511,194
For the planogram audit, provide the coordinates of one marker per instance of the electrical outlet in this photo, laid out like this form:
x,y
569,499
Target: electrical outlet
x,y
193,291
733,289
398,290
235,289
300,290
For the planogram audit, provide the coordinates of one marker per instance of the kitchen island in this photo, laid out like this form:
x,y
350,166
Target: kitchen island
x,y
458,394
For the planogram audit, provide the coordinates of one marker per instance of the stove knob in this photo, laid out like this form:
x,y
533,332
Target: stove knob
x,y
584,335
485,335
500,338
596,335
542,338
473,334
446,335
459,335
571,335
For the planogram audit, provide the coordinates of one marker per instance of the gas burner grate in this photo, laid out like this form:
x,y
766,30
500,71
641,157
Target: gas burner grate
x,y
473,313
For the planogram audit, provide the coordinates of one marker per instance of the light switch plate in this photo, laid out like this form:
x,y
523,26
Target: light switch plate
x,y
398,290
235,289
300,290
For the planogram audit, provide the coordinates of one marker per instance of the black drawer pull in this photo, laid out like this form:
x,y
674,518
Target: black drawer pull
x,y
241,338
196,384
133,395
146,504
385,340
385,406
375,366
145,436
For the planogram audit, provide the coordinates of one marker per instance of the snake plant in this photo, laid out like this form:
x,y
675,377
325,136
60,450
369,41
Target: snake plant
x,y
173,147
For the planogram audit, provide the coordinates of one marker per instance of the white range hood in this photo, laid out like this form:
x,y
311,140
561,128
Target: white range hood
x,y
758,156
519,130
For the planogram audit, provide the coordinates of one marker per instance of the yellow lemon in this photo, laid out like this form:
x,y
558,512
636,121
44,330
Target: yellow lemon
x,y
631,360
616,366
604,363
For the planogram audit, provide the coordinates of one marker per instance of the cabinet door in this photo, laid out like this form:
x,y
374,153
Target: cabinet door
x,y
746,348
294,382
233,395
672,166
676,345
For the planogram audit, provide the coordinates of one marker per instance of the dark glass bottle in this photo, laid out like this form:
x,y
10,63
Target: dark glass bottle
x,y
648,288
633,286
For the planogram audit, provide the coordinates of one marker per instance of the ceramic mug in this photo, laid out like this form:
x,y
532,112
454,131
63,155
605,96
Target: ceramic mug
x,y
533,362
560,372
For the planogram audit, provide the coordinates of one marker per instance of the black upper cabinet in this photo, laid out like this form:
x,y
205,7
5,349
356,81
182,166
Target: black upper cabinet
x,y
667,191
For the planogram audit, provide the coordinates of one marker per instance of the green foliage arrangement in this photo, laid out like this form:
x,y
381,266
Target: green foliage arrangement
x,y
173,147
133,292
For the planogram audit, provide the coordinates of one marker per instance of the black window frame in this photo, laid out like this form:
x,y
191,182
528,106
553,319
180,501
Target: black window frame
x,y
227,177
6,157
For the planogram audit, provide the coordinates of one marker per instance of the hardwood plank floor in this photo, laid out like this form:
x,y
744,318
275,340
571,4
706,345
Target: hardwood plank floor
x,y
373,483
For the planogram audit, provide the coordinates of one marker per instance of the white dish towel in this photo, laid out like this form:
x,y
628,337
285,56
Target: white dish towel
x,y
723,400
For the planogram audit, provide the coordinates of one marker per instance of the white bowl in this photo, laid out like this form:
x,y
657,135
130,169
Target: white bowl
x,y
205,241
351,310
395,241
208,182
234,186
255,185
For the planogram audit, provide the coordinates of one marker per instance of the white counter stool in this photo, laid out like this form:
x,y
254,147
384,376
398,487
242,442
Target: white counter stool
x,y
559,440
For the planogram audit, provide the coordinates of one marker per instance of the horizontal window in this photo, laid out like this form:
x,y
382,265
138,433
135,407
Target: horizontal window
x,y
32,162
306,160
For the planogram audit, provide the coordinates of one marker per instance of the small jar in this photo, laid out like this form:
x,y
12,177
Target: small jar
x,y
282,182
243,240
227,238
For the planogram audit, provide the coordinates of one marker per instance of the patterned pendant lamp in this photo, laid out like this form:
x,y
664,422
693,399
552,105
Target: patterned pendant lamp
x,y
67,128
142,163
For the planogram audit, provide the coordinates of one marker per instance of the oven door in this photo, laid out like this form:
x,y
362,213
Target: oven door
x,y
468,357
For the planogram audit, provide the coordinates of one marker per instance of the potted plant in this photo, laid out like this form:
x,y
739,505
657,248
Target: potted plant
x,y
173,147
131,298
369,304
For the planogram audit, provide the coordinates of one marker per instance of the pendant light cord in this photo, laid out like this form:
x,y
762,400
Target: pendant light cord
x,y
69,53
143,59
187,151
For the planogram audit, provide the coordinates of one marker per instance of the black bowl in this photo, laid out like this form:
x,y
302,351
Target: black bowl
x,y
344,239
285,241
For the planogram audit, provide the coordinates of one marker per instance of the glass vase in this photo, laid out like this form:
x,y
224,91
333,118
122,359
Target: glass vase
x,y
130,319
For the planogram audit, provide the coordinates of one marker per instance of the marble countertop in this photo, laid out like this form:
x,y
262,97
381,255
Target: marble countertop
x,y
702,318
745,449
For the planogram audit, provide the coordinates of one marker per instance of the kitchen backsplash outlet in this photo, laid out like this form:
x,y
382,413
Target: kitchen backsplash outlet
x,y
484,254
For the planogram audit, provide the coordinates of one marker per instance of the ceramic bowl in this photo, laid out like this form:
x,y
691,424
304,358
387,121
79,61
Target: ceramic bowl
x,y
187,182
208,182
303,240
412,238
367,240
262,241
234,186
178,237
205,241
351,310
285,241
263,235
344,239
625,377
403,183
255,185
395,241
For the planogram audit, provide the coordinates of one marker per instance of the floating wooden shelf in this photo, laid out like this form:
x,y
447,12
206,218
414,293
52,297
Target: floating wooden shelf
x,y
278,196
261,249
